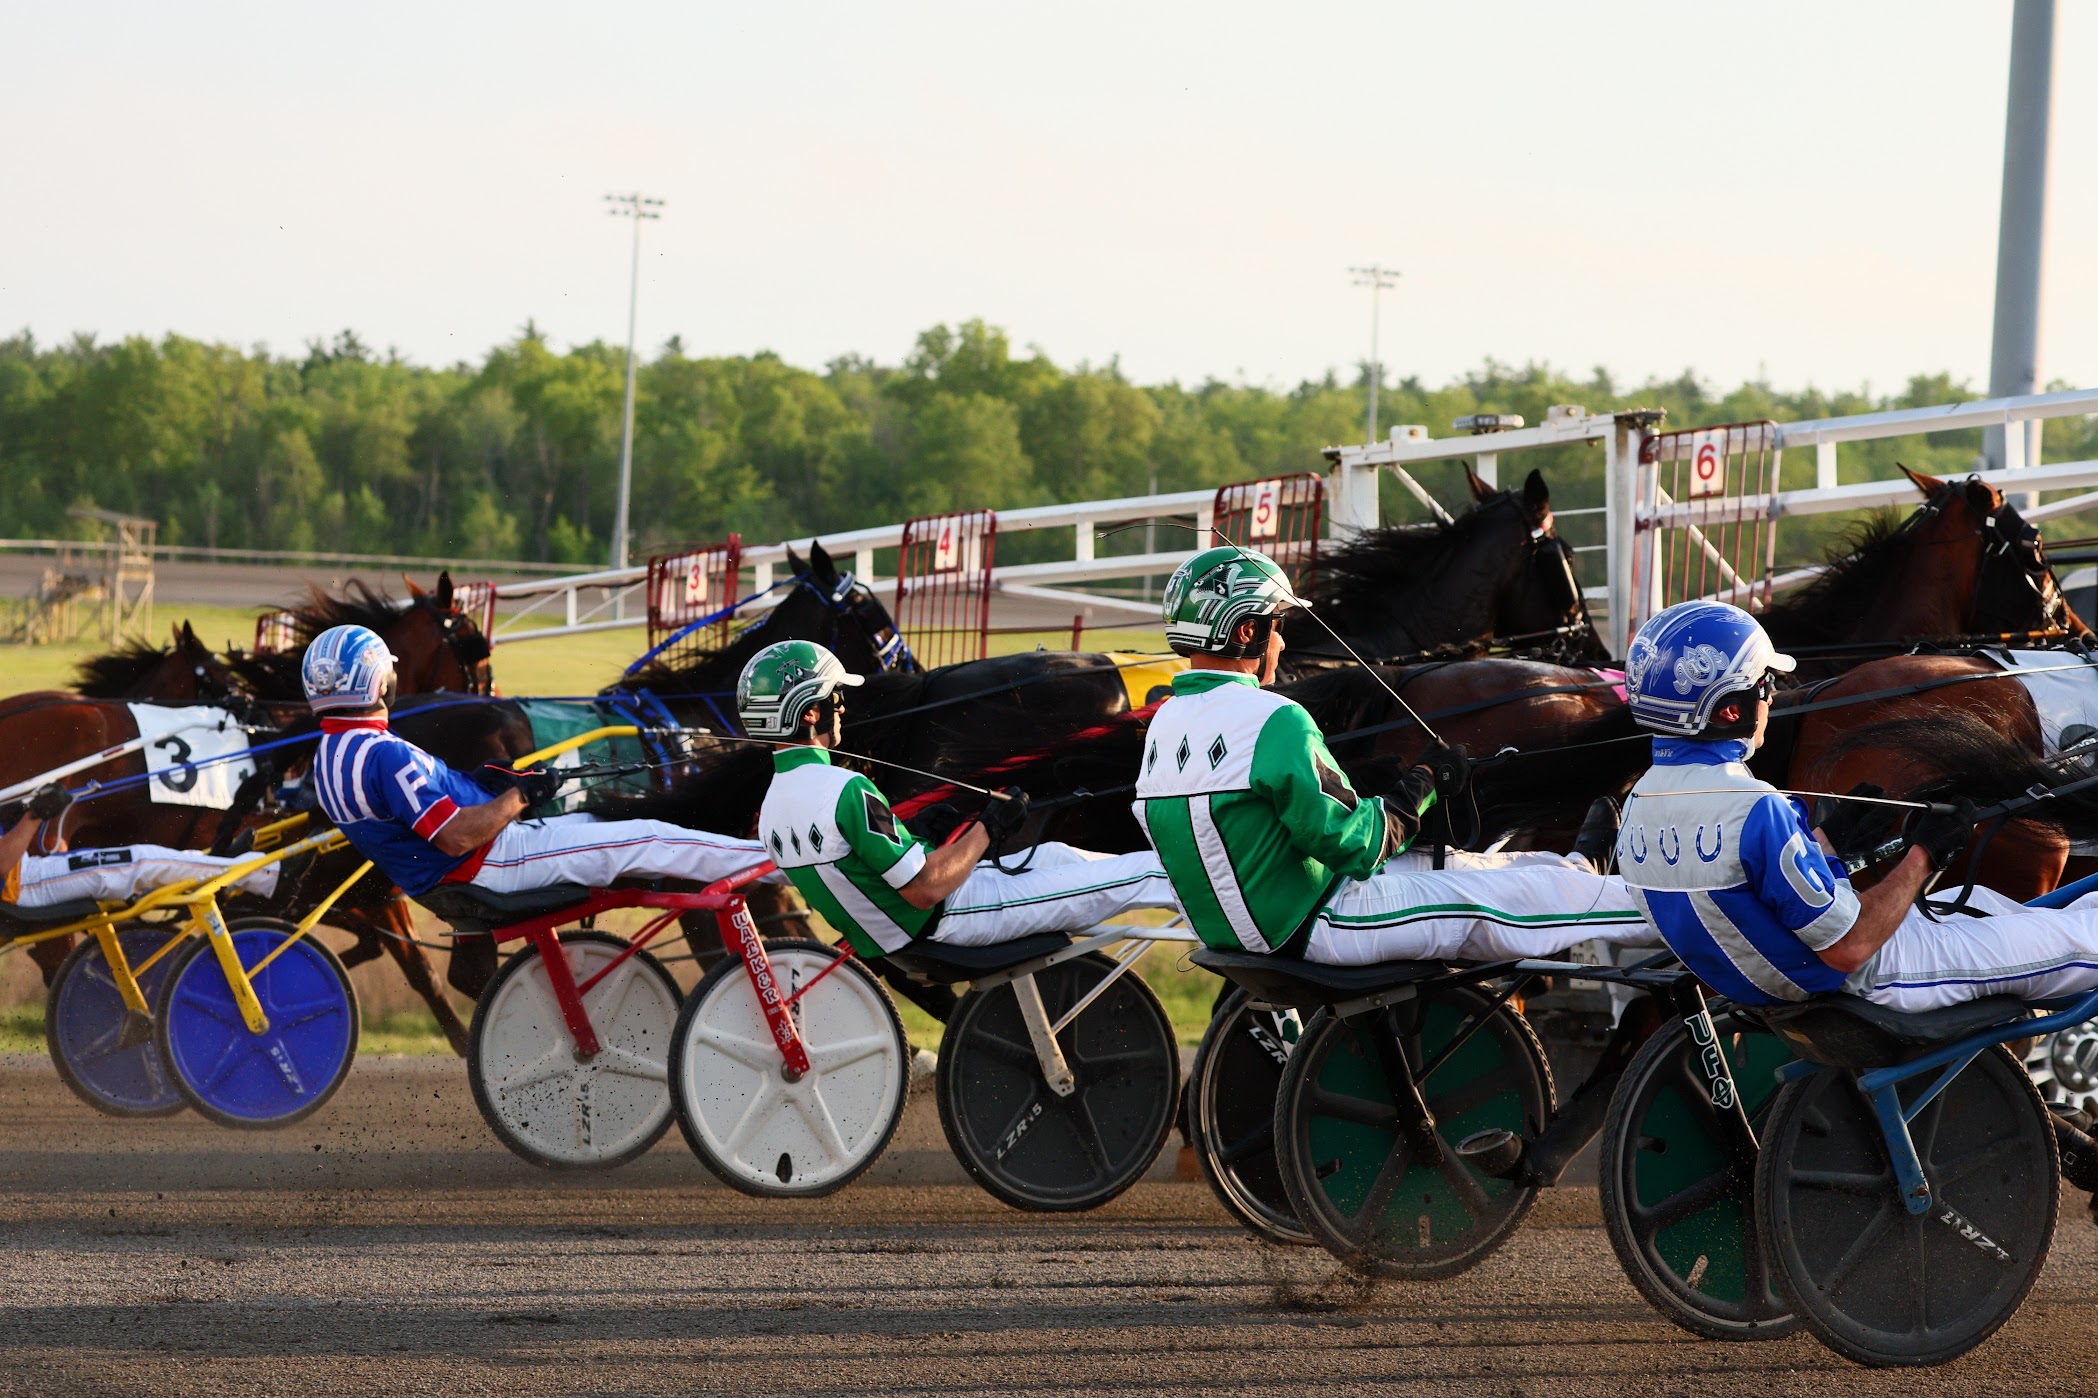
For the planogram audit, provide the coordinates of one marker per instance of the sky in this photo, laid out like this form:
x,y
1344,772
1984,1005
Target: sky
x,y
1806,192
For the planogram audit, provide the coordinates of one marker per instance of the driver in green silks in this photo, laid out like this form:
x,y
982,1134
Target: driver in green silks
x,y
1270,849
882,887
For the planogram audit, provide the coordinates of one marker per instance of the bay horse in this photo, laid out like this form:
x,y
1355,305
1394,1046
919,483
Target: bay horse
x,y
1964,566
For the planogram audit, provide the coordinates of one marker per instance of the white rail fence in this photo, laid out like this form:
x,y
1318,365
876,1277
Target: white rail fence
x,y
1633,511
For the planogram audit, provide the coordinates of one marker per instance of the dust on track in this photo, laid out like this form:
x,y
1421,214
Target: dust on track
x,y
389,1245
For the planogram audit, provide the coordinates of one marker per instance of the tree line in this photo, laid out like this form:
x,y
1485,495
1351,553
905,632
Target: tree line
x,y
517,457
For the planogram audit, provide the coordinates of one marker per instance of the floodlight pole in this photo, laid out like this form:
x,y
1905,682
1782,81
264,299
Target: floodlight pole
x,y
2014,358
636,207
1377,279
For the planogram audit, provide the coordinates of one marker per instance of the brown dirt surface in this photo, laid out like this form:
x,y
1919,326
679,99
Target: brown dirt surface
x,y
389,1245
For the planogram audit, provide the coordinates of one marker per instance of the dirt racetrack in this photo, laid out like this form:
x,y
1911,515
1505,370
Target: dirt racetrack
x,y
390,1246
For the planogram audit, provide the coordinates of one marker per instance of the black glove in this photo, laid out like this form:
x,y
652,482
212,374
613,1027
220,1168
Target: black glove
x,y
1856,827
935,822
537,786
1002,820
49,802
1402,809
1451,768
1942,834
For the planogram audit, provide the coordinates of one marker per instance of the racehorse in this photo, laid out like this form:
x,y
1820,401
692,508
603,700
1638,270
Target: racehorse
x,y
1964,566
1498,573
186,672
836,610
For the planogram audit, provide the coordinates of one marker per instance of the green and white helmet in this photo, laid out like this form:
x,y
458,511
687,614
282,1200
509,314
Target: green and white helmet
x,y
1210,594
782,682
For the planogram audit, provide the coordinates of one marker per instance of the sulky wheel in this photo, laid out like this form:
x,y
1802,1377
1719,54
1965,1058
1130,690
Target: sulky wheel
x,y
1874,1282
241,1078
1346,1148
1677,1207
2065,1066
540,1097
1014,1134
754,1129
102,1051
1232,1114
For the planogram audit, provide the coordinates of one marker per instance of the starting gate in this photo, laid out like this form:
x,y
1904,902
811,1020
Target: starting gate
x,y
476,602
688,585
1707,518
276,632
943,586
1281,517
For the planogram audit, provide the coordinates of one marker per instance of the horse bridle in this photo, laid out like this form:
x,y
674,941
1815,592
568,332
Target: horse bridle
x,y
467,645
847,597
2005,531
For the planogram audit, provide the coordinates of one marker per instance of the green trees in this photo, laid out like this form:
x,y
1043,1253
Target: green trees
x,y
516,457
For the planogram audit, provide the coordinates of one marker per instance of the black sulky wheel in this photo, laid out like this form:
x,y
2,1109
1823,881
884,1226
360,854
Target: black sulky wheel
x,y
1232,1109
1348,1161
1037,1150
1677,1207
1874,1282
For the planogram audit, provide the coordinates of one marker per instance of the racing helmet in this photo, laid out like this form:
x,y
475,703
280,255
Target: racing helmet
x,y
347,667
1690,661
782,682
1210,594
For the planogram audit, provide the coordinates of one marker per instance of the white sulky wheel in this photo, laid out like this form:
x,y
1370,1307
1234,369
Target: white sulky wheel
x,y
544,1102
744,1120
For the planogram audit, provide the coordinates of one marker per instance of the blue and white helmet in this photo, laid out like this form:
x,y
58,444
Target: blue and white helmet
x,y
347,667
1689,658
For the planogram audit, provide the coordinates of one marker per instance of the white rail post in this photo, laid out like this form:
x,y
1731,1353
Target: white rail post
x,y
1352,504
863,565
1083,547
1629,546
760,577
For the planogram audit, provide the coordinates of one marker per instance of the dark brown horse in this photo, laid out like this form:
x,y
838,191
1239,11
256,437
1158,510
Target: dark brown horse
x,y
186,672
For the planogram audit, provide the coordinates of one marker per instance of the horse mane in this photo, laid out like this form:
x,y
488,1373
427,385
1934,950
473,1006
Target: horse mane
x,y
114,674
359,604
1862,560
1968,757
1376,562
272,675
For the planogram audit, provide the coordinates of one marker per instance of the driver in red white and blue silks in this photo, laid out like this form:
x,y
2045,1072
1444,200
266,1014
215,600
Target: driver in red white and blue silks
x,y
424,824
1754,901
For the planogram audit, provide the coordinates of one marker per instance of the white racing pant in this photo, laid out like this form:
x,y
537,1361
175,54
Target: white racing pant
x,y
123,872
1478,907
1062,890
2033,953
584,850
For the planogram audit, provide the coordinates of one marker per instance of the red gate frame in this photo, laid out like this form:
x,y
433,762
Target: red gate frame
x,y
1280,516
1715,537
671,604
943,585
476,602
276,632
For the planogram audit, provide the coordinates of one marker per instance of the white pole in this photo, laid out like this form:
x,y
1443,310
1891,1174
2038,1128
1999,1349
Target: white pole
x,y
637,207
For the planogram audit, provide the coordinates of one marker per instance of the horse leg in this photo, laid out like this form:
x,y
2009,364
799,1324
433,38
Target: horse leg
x,y
50,955
421,975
